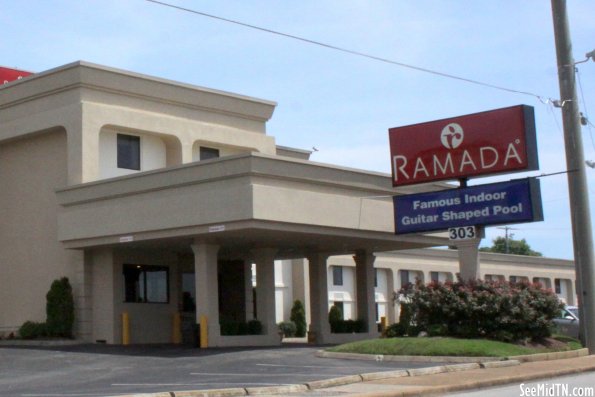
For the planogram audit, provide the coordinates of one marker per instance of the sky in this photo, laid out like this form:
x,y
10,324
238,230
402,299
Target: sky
x,y
341,104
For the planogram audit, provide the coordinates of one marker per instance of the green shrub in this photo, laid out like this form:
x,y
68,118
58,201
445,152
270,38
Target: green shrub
x,y
298,316
406,325
254,327
235,328
229,328
288,328
335,317
32,330
60,309
478,309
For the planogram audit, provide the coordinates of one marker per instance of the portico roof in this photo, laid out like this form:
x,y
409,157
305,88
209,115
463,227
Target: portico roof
x,y
239,203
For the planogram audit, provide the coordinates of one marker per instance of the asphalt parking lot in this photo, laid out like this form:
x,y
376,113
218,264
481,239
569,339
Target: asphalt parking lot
x,y
103,370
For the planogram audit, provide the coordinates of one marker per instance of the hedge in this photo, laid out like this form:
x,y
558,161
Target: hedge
x,y
498,310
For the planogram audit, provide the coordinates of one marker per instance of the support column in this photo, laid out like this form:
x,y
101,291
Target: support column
x,y
207,288
83,295
391,303
106,325
300,282
248,288
265,289
319,324
364,279
469,258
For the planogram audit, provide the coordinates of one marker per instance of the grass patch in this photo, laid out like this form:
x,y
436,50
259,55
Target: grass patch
x,y
443,346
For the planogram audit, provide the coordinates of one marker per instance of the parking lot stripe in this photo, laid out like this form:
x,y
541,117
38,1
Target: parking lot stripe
x,y
258,374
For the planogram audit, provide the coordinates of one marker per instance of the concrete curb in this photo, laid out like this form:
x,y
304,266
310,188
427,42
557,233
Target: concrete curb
x,y
426,371
40,342
256,391
500,364
384,375
466,366
411,359
453,359
343,380
551,356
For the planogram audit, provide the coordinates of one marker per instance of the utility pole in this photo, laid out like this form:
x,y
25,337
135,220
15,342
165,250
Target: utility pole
x,y
577,182
506,234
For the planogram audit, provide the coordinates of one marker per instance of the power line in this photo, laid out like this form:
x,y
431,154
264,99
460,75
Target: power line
x,y
586,115
352,52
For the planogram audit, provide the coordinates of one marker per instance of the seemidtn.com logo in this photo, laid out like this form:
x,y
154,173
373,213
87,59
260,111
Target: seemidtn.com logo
x,y
555,390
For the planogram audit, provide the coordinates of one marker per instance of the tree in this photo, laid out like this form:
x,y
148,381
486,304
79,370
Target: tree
x,y
298,316
503,245
60,308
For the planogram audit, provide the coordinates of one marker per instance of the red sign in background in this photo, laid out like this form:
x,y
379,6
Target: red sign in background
x,y
486,143
8,75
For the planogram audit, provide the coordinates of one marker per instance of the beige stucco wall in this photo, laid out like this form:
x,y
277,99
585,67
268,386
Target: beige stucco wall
x,y
85,99
30,257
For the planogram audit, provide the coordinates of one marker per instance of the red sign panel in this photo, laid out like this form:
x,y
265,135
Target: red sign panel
x,y
487,143
7,75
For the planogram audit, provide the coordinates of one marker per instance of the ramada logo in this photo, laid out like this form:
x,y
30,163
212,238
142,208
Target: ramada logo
x,y
452,136
468,160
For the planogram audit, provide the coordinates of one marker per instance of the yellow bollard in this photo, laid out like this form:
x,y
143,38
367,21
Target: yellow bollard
x,y
125,329
383,323
204,332
176,336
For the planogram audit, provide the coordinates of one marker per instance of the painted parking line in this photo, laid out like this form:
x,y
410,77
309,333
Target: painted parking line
x,y
260,374
323,366
70,395
198,384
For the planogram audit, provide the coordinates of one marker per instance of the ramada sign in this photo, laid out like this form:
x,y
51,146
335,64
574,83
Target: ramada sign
x,y
492,142
7,75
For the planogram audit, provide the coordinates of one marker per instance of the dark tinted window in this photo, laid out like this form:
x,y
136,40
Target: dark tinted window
x,y
146,284
207,153
129,152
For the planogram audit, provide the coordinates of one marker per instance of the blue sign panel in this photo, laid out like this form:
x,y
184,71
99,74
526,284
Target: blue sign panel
x,y
516,201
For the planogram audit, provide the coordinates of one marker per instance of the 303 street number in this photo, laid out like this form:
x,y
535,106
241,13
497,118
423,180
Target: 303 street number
x,y
462,233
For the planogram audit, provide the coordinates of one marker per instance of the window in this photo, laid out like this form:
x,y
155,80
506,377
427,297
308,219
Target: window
x,y
341,307
404,277
513,279
207,153
146,284
558,286
129,152
337,275
375,278
434,276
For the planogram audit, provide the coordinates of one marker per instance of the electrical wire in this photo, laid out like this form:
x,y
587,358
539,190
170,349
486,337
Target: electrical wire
x,y
586,114
550,108
348,51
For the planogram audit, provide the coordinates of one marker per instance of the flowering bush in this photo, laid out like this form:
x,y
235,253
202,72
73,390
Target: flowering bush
x,y
497,310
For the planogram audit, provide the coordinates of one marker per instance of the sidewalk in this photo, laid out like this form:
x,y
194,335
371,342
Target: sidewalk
x,y
415,382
